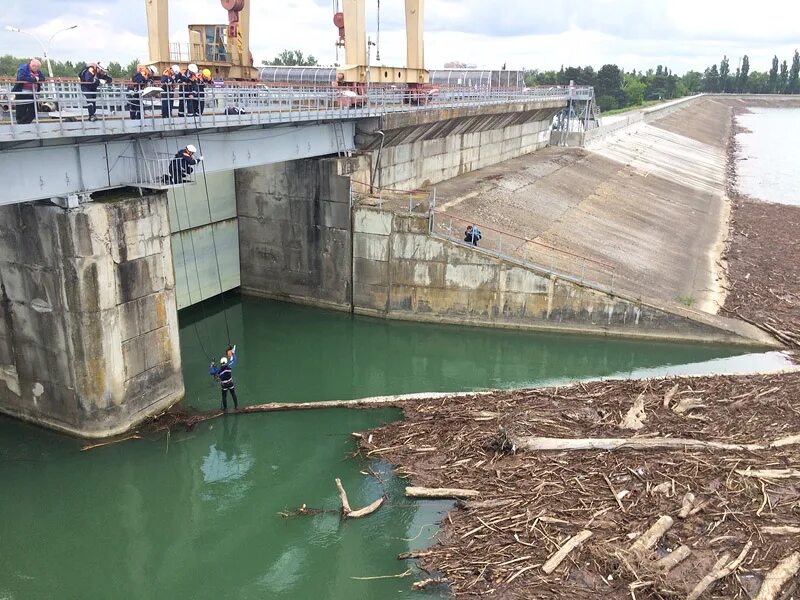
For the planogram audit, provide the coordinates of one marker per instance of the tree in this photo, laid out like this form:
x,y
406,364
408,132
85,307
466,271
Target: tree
x,y
292,58
744,73
609,83
773,75
724,74
794,74
711,80
692,81
634,90
783,82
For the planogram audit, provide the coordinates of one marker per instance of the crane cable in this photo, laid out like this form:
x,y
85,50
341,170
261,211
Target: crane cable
x,y
213,237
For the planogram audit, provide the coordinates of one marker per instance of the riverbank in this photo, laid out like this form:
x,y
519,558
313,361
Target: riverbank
x,y
531,503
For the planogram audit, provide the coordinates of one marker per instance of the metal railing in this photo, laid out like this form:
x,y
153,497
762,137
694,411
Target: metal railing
x,y
159,172
536,255
61,107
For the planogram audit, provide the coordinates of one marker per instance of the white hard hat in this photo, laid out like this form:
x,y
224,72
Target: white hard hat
x,y
176,68
191,148
153,70
193,68
223,361
100,65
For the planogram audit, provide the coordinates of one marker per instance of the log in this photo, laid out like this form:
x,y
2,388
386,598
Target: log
x,y
787,441
673,559
346,510
649,538
535,444
446,493
721,569
688,504
570,545
769,473
367,510
779,576
781,530
635,417
426,583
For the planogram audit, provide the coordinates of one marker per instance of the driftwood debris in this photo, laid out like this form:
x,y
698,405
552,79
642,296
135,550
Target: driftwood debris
x,y
722,568
649,538
673,559
444,493
781,530
769,473
536,444
426,583
635,417
779,576
570,545
349,513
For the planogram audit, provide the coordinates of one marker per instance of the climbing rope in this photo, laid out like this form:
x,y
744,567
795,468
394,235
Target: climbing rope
x,y
213,236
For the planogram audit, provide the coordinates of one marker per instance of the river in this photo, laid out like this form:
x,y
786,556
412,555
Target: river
x,y
195,515
767,158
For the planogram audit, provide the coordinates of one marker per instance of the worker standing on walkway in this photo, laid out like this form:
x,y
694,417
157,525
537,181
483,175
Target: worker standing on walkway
x,y
140,80
29,79
182,164
188,102
224,375
204,78
92,76
167,89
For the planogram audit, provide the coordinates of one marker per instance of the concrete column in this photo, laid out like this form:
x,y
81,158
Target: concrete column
x,y
88,321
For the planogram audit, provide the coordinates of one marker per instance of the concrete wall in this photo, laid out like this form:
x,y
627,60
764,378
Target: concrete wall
x,y
294,231
415,155
401,272
201,240
88,321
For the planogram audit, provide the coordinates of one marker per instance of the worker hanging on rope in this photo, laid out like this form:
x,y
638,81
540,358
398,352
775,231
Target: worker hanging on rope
x,y
224,375
182,165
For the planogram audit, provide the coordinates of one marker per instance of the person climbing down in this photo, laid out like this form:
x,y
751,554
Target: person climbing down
x,y
181,166
224,375
472,235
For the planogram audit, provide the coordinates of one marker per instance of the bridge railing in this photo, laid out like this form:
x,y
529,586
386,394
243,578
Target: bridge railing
x,y
60,108
537,255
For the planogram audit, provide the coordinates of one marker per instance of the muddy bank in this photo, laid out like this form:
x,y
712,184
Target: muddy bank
x,y
531,503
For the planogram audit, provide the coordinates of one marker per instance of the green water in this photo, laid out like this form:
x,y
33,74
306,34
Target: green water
x,y
195,516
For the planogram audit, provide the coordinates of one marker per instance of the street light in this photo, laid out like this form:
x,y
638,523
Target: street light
x,y
45,49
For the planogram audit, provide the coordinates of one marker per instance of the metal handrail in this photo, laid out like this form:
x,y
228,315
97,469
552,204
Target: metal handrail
x,y
552,260
66,102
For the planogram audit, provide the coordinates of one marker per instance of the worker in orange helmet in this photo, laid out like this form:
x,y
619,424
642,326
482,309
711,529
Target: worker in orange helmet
x,y
203,78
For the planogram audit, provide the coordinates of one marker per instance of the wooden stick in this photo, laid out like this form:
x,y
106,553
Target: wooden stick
x,y
535,444
779,576
673,559
367,510
721,569
399,576
782,530
572,543
649,538
454,493
134,436
769,473
346,510
787,441
425,583
688,504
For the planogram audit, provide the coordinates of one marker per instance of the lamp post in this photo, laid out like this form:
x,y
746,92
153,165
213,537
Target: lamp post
x,y
45,49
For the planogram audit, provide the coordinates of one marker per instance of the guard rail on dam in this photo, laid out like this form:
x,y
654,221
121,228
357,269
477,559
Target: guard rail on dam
x,y
61,107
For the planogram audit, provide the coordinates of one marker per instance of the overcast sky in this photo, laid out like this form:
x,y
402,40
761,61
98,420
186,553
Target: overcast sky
x,y
683,34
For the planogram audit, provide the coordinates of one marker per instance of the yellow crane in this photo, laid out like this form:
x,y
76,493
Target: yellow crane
x,y
351,21
224,49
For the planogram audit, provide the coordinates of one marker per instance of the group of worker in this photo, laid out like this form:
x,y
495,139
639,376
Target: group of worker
x,y
187,85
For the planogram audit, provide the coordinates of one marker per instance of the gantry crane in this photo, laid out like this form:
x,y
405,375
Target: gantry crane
x,y
357,71
224,49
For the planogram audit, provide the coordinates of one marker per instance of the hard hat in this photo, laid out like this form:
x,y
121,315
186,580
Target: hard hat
x,y
207,73
176,69
100,65
153,70
223,361
193,68
191,148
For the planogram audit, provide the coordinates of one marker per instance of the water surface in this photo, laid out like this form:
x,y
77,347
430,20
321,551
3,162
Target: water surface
x,y
195,515
767,164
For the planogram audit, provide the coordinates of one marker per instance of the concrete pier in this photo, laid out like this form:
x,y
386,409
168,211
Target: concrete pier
x,y
88,321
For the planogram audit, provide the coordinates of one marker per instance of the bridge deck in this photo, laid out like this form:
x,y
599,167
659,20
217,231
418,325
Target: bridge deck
x,y
256,106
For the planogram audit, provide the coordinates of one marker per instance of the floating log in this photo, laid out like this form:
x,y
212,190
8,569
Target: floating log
x,y
721,569
441,493
536,444
570,545
426,583
649,538
349,513
779,576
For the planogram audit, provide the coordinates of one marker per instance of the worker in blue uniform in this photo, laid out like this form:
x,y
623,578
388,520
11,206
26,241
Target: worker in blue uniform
x,y
140,80
29,79
182,164
224,375
91,77
168,80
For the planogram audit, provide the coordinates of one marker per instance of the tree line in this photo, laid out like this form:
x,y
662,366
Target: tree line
x,y
10,64
617,88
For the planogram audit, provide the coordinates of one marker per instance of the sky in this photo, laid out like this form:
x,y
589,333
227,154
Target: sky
x,y
532,34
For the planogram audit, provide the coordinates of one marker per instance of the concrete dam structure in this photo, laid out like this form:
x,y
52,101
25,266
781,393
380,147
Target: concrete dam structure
x,y
90,292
